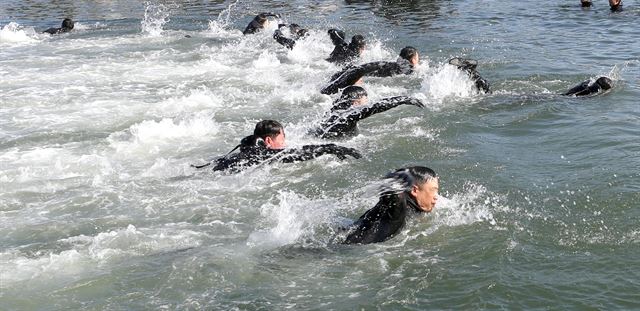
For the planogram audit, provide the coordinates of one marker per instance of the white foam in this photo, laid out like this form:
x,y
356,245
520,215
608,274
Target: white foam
x,y
448,81
13,33
162,137
89,253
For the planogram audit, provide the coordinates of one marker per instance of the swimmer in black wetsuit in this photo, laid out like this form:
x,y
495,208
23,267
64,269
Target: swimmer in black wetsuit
x,y
590,87
343,119
386,219
258,23
267,145
405,64
296,31
585,3
616,5
344,53
67,25
469,66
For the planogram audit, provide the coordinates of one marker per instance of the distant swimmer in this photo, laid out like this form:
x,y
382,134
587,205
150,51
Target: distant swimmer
x,y
469,66
616,5
296,31
67,25
418,195
585,3
259,23
405,64
590,87
267,145
343,52
350,108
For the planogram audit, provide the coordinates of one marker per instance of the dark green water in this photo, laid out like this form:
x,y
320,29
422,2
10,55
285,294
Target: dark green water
x,y
99,209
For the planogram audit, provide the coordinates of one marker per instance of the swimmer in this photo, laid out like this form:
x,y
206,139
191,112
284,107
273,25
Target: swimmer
x,y
343,119
590,87
296,31
388,216
616,5
67,25
585,3
469,66
267,145
344,53
258,23
408,59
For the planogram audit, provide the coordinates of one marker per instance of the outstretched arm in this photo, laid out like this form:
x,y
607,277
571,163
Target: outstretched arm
x,y
309,152
288,43
337,36
382,106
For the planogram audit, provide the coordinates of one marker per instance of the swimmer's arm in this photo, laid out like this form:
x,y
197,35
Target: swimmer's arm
x,y
385,105
337,36
309,152
288,43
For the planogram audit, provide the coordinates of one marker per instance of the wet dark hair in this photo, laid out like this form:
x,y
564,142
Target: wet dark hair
x,y
263,129
260,19
605,83
67,23
357,42
408,52
585,3
349,94
413,175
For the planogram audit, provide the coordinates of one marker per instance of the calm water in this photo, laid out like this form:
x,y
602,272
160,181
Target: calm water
x,y
99,209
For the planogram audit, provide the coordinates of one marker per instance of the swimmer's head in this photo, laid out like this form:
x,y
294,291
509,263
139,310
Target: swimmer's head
x,y
615,3
605,83
410,54
423,185
260,21
357,43
67,23
269,133
585,3
351,96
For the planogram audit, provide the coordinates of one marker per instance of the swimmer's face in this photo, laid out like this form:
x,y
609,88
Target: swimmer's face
x,y
614,2
426,194
415,60
276,142
360,101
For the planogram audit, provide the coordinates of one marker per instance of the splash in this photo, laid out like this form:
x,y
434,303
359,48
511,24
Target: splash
x,y
13,33
155,16
448,81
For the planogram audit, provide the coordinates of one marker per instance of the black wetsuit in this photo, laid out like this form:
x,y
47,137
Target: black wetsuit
x,y
342,53
481,84
589,88
341,123
350,75
384,220
288,42
254,155
469,66
55,31
255,26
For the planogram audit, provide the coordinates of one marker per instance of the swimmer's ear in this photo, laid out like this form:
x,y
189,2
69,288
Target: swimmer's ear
x,y
261,142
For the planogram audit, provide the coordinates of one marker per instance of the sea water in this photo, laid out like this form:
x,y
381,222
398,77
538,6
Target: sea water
x,y
100,209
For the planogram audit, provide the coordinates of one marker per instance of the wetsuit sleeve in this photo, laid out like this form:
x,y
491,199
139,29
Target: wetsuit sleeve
x,y
481,83
288,43
576,90
383,69
52,31
309,152
381,222
382,106
337,37
347,77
